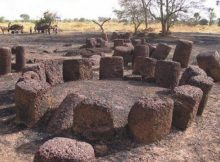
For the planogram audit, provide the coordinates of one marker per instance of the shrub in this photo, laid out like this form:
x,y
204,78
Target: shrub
x,y
204,22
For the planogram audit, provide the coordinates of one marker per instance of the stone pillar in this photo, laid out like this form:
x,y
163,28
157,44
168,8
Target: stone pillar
x,y
20,58
5,61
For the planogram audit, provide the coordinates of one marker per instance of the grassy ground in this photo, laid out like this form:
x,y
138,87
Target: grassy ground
x,y
114,26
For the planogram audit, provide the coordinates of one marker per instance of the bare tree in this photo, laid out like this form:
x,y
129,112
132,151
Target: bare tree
x,y
101,24
131,11
146,4
212,15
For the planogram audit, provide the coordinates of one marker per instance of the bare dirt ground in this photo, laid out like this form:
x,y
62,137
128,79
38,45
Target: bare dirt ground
x,y
200,142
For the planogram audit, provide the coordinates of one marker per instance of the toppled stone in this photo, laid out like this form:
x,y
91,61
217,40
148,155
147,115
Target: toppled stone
x,y
186,103
32,100
182,52
205,84
62,118
64,150
161,52
54,72
150,118
209,62
125,52
167,74
190,72
133,77
111,68
144,66
77,69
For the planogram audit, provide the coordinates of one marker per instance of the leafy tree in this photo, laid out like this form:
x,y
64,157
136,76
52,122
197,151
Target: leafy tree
x,y
212,16
25,17
2,19
204,22
197,17
47,19
131,11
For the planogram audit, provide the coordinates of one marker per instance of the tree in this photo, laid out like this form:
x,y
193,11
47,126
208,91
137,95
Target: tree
x,y
197,18
203,22
212,16
145,6
102,23
25,17
131,11
2,19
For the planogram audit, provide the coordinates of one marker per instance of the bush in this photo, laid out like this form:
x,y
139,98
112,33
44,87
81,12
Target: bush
x,y
203,22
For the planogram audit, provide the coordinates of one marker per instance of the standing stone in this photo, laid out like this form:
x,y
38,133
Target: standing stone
x,y
151,48
91,43
20,58
38,68
118,42
32,100
190,72
150,118
161,52
61,149
167,74
5,61
114,36
111,68
125,52
186,103
136,42
104,36
205,84
77,69
62,119
210,63
144,66
182,52
141,51
54,72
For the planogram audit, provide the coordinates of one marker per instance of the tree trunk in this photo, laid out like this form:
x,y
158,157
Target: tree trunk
x,y
145,14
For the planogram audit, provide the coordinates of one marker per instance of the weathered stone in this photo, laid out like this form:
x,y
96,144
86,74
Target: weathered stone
x,y
104,36
162,51
62,118
136,42
118,42
167,73
210,63
133,77
182,52
101,43
93,119
190,72
5,61
111,68
77,69
91,42
150,118
20,58
141,51
144,66
64,150
37,68
114,36
54,72
95,60
29,75
205,84
125,52
32,100
101,150
151,48
186,103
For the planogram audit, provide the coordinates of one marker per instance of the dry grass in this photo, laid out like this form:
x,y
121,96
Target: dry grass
x,y
114,26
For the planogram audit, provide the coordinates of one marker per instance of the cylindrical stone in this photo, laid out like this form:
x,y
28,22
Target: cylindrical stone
x,y
125,52
161,52
150,118
118,42
20,58
141,51
5,60
205,84
182,52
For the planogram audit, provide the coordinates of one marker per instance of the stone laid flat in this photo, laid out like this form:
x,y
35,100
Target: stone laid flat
x,y
150,118
64,150
186,103
62,119
161,52
209,62
190,72
182,52
205,84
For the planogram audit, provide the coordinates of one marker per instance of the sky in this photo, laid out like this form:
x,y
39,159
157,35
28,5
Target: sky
x,y
90,9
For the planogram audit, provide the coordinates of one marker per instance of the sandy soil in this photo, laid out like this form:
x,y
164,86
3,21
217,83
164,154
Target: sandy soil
x,y
200,142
